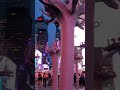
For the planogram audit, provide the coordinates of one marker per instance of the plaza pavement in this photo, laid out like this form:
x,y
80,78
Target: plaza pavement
x,y
50,88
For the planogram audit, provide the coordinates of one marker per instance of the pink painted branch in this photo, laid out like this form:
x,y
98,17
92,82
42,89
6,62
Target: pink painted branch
x,y
46,13
79,9
74,3
45,2
61,6
67,1
51,20
69,5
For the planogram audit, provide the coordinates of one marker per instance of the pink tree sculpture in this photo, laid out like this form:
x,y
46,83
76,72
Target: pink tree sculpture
x,y
66,12
54,52
78,57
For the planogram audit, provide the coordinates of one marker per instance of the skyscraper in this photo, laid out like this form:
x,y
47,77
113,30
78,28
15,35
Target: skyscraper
x,y
15,17
57,31
18,32
2,29
41,35
5,4
15,32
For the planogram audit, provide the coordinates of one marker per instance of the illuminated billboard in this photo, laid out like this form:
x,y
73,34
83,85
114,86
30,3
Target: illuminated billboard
x,y
38,58
79,36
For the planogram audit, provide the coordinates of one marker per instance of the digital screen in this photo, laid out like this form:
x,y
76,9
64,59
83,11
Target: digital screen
x,y
79,36
38,56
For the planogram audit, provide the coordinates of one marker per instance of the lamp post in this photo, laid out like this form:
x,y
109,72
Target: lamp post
x,y
54,52
78,57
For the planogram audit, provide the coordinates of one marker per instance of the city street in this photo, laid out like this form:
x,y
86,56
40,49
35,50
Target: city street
x,y
50,88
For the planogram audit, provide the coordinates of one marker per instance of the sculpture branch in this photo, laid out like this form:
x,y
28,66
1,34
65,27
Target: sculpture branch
x,y
67,1
69,5
43,2
80,8
61,6
48,21
46,13
74,3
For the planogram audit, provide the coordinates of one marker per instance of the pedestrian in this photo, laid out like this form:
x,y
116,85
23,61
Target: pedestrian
x,y
36,78
82,81
75,79
39,79
45,76
49,79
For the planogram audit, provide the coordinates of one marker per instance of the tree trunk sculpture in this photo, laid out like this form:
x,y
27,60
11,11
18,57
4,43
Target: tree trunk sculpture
x,y
66,12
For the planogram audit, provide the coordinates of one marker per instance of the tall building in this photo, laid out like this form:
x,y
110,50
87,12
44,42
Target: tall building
x,y
41,35
57,30
5,4
16,18
13,19
2,30
2,20
18,32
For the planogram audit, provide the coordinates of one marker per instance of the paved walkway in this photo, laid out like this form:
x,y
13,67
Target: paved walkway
x,y
50,88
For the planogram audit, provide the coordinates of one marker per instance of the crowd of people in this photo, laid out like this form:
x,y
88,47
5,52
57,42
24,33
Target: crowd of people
x,y
43,79
81,79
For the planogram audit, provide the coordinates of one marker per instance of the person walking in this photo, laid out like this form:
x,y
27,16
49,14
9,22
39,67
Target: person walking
x,y
45,76
39,79
82,81
36,78
75,79
49,79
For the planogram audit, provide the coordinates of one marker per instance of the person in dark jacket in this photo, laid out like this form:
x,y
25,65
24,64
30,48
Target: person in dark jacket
x,y
82,81
74,79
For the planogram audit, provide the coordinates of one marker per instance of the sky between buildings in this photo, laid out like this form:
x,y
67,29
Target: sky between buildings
x,y
51,26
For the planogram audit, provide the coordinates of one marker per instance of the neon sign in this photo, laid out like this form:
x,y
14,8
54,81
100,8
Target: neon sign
x,y
40,19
